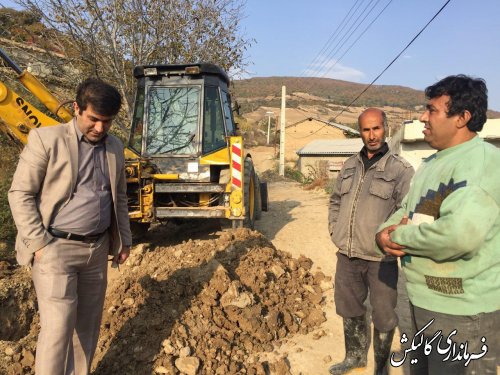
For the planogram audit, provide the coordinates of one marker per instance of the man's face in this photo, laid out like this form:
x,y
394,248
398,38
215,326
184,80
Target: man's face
x,y
93,125
440,131
371,127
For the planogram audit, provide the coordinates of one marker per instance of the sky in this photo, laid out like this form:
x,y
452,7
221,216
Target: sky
x,y
313,38
327,38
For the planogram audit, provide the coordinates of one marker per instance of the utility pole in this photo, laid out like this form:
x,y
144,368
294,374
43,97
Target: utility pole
x,y
282,132
269,113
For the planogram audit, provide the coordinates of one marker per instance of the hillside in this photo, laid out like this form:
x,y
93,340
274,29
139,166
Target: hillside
x,y
266,91
321,90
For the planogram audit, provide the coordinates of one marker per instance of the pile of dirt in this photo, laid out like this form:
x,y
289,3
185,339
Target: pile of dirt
x,y
18,320
207,306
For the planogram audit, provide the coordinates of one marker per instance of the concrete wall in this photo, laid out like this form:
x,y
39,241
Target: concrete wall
x,y
409,142
309,165
298,136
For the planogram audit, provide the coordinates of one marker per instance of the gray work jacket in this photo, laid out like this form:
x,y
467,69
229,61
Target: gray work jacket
x,y
362,200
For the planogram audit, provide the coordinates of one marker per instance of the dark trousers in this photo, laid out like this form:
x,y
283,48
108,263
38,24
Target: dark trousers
x,y
354,277
469,329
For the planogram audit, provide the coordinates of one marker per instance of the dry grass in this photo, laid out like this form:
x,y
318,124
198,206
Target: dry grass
x,y
317,176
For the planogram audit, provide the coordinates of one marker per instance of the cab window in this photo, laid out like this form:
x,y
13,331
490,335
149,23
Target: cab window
x,y
214,136
228,114
173,114
135,140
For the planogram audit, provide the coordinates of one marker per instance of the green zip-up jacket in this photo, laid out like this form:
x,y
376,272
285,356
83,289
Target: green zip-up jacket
x,y
453,235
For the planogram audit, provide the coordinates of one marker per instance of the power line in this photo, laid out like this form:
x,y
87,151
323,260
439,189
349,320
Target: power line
x,y
343,128
334,35
386,68
359,37
348,34
329,123
341,34
393,61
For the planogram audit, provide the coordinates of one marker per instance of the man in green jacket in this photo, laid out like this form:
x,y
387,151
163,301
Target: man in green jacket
x,y
447,234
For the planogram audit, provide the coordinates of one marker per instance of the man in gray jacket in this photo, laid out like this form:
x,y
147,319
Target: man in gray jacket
x,y
369,188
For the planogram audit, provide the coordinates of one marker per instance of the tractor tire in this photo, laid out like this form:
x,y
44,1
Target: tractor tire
x,y
249,182
258,198
264,196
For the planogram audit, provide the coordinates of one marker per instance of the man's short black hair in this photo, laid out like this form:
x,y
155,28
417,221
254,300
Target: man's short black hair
x,y
104,98
466,94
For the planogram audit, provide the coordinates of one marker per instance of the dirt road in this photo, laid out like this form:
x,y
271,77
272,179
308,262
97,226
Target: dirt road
x,y
196,300
297,223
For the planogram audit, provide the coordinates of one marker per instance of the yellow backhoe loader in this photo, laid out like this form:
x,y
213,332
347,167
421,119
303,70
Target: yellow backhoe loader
x,y
184,159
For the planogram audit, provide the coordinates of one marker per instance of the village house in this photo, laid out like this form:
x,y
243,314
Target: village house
x,y
327,155
330,154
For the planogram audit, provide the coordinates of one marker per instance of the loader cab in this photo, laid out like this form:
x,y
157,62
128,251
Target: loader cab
x,y
190,162
181,112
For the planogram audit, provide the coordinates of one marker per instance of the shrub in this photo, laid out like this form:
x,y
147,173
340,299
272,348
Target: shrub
x,y
330,185
317,175
294,174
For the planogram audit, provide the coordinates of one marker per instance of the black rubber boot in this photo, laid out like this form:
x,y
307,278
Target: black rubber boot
x,y
382,342
356,339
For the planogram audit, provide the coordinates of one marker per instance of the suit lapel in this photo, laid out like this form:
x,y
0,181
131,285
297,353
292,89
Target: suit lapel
x,y
111,158
72,144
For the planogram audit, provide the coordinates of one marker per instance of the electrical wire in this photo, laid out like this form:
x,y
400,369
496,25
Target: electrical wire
x,y
393,61
357,39
348,35
388,66
321,57
332,37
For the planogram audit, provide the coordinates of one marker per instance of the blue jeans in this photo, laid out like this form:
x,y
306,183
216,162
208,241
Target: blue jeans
x,y
469,329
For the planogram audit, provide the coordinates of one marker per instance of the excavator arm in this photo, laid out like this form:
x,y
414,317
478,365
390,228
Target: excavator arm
x,y
17,115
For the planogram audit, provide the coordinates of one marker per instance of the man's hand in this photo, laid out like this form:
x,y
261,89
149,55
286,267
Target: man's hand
x,y
384,241
38,254
122,255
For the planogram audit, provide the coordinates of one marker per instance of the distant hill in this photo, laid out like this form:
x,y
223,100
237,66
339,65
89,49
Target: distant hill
x,y
266,91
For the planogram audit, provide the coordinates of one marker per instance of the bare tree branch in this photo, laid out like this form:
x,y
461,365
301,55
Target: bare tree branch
x,y
110,37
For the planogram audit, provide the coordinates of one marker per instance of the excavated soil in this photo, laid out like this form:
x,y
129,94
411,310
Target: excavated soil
x,y
190,301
